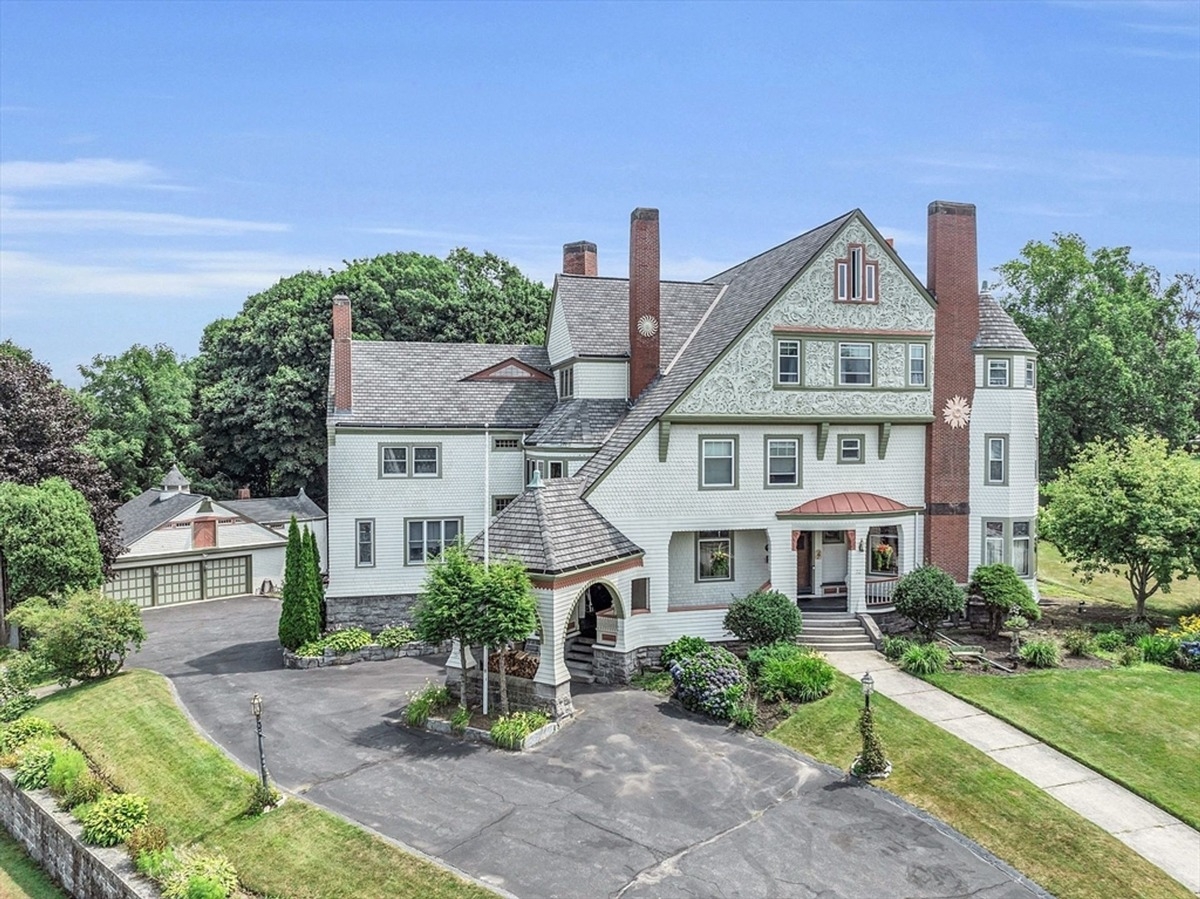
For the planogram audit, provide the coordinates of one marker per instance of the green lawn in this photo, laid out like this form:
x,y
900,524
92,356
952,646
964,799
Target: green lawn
x,y
131,727
20,876
1037,835
1136,726
1055,579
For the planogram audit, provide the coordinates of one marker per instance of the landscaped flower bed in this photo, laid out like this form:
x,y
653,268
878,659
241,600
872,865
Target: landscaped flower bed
x,y
434,709
351,645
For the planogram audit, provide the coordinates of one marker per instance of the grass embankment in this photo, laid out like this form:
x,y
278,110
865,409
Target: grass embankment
x,y
20,876
1055,579
131,727
1136,726
999,809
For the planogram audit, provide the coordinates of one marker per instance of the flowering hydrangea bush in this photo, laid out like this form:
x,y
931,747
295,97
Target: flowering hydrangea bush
x,y
712,681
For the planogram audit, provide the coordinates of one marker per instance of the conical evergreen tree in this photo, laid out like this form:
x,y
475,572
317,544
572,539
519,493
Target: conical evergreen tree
x,y
318,585
297,625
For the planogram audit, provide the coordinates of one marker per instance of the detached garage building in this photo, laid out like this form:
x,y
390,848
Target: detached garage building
x,y
182,547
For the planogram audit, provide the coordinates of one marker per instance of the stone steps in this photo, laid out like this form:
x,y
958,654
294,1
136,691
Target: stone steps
x,y
834,632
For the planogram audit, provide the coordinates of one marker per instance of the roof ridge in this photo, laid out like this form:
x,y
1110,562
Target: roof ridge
x,y
539,505
835,219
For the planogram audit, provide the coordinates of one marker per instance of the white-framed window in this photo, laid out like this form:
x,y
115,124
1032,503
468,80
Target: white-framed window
x,y
718,462
916,365
714,556
364,543
883,543
870,275
993,542
558,468
426,462
393,461
854,364
566,381
427,538
783,462
500,503
1022,548
850,449
997,459
843,280
856,279
997,373
639,594
506,443
1029,373
787,369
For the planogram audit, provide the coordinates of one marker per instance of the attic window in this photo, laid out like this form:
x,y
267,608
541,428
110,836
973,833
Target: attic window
x,y
510,369
856,279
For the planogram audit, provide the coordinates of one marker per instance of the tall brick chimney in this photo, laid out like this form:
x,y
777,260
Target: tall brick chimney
x,y
579,258
953,279
645,325
341,353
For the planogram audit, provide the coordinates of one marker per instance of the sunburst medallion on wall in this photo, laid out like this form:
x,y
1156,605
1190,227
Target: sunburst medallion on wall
x,y
647,325
957,412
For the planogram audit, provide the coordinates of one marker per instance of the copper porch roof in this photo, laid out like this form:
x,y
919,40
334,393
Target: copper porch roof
x,y
847,504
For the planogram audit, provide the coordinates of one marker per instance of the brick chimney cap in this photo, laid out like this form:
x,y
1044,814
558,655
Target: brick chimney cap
x,y
579,246
947,207
645,214
341,299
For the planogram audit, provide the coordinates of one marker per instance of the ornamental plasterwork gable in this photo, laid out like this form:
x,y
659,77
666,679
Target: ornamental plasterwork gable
x,y
743,381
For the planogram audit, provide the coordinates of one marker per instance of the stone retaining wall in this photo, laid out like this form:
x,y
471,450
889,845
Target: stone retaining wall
x,y
373,613
522,693
52,839
371,653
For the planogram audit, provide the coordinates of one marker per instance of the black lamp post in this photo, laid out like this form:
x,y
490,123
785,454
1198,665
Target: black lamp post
x,y
868,687
256,707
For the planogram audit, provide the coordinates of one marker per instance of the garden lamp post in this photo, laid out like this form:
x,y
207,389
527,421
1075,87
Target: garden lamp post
x,y
256,707
868,687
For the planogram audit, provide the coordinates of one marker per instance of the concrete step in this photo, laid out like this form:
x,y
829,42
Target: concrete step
x,y
833,639
580,658
831,627
863,646
580,674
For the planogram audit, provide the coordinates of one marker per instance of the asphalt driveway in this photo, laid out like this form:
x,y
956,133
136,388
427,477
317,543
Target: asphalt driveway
x,y
632,799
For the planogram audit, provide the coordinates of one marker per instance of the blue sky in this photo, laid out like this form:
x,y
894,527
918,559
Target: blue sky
x,y
159,162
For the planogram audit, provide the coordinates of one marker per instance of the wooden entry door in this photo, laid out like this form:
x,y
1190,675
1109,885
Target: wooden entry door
x,y
804,563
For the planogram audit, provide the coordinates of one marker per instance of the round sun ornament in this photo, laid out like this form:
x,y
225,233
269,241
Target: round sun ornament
x,y
957,412
647,325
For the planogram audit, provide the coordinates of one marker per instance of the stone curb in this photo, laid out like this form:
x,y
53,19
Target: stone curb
x,y
370,653
478,735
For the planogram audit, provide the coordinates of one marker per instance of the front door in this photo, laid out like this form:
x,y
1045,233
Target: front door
x,y
803,563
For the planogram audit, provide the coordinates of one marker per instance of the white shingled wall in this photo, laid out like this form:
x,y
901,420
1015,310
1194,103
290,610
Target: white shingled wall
x,y
602,379
558,341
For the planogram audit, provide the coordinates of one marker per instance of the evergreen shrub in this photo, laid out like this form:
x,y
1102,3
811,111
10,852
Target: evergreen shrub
x,y
763,617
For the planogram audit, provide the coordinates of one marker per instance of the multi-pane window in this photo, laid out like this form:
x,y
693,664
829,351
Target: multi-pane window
x,y
500,503
854,363
783,462
394,461
993,542
506,443
364,542
1022,550
425,461
788,362
850,449
916,365
884,545
856,279
566,382
639,594
717,459
1028,372
997,463
427,539
714,556
997,373
409,461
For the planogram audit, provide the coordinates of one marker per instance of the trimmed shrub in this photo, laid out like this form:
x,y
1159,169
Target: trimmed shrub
x,y
1158,649
510,730
1110,641
927,596
682,648
712,681
190,868
1078,643
17,733
1004,594
85,638
799,677
146,838
924,658
69,765
1041,654
396,636
112,819
763,617
895,647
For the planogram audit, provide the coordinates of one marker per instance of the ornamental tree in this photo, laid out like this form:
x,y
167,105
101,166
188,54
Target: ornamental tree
x,y
509,613
1003,593
928,596
1130,507
451,605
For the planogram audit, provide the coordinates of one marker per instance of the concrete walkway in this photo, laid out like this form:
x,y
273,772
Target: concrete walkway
x,y
1146,829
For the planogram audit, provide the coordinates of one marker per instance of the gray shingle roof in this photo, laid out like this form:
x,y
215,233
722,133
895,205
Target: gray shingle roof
x,y
421,385
551,530
146,511
583,422
997,331
597,311
276,509
750,287
175,478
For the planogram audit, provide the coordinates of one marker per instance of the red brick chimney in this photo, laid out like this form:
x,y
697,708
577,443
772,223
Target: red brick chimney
x,y
953,279
644,320
244,492
579,258
341,354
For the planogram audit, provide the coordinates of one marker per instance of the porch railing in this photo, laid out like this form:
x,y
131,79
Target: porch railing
x,y
879,591
606,628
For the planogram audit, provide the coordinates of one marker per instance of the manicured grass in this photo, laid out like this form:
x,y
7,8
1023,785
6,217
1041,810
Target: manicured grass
x,y
20,876
131,726
1033,832
1055,579
1136,726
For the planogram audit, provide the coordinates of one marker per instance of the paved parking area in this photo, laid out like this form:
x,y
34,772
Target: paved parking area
x,y
632,799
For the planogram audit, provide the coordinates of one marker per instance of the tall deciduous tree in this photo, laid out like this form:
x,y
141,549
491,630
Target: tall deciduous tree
x,y
261,376
1115,352
1132,507
451,605
509,613
42,431
142,422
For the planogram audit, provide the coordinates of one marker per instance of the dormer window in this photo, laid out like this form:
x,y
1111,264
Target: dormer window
x,y
566,382
856,279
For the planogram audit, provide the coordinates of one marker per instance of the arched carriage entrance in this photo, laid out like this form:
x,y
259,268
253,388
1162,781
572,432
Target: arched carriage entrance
x,y
593,618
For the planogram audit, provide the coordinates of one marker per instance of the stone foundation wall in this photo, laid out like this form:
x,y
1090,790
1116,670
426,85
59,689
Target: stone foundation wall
x,y
522,696
373,613
52,839
371,653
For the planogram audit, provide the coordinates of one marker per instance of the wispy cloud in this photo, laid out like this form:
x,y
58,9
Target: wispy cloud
x,y
16,220
26,175
1158,53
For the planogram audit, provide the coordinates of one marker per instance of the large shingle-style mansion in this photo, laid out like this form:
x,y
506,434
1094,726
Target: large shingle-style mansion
x,y
813,420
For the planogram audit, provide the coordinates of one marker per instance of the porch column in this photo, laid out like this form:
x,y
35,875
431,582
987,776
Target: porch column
x,y
552,683
856,573
783,557
454,663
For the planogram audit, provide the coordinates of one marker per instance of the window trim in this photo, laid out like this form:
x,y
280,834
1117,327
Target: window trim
x,y
408,563
497,448
993,360
383,447
799,382
358,543
712,537
798,442
633,595
1009,540
1027,539
987,460
713,438
410,464
924,348
566,382
437,460
1031,373
496,497
841,382
873,540
862,449
1003,538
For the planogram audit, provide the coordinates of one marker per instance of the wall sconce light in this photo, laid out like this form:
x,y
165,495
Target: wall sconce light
x,y
860,546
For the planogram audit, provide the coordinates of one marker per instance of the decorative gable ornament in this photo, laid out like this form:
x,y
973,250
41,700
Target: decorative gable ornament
x,y
510,369
957,412
647,325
